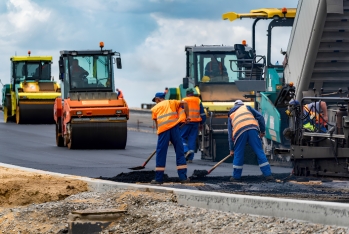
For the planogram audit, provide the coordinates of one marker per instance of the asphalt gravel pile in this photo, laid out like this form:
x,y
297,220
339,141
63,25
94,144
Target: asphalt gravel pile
x,y
148,213
284,186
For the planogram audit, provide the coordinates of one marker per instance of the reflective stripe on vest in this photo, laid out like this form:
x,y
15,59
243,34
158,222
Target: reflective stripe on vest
x,y
166,115
182,115
240,118
194,108
313,114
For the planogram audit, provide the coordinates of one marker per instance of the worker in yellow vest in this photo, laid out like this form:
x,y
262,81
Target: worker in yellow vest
x,y
245,124
167,114
189,132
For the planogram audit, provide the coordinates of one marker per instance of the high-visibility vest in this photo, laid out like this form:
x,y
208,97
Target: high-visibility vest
x,y
167,114
241,120
120,94
194,108
314,114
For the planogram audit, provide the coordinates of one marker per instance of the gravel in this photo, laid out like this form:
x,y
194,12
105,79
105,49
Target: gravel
x,y
148,213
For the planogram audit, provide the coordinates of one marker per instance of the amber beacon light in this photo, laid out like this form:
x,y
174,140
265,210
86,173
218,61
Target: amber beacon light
x,y
284,11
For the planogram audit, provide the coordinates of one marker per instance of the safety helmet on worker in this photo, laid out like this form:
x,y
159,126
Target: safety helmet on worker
x,y
205,79
159,95
238,102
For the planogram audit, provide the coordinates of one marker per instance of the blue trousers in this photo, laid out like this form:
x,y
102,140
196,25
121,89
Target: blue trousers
x,y
252,137
189,133
164,138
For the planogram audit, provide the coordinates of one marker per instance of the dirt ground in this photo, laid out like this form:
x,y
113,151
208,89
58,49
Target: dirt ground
x,y
19,188
41,203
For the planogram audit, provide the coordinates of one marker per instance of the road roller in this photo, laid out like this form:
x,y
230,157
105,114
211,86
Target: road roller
x,y
30,96
89,113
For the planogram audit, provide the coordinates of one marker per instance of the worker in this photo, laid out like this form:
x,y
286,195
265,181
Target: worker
x,y
189,132
167,114
77,72
45,72
316,116
246,125
166,91
120,94
215,68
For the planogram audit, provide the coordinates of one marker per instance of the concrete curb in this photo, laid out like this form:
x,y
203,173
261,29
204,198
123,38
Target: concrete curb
x,y
328,213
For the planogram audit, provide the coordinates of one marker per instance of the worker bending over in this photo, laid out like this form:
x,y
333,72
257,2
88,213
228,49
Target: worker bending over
x,y
167,114
189,132
246,125
120,94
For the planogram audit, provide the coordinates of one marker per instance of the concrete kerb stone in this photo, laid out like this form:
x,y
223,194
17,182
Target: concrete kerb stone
x,y
328,213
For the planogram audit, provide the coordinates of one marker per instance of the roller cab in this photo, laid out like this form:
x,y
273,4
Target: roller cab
x,y
30,96
213,73
89,113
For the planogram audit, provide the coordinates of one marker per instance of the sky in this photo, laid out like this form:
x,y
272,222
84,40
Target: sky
x,y
149,34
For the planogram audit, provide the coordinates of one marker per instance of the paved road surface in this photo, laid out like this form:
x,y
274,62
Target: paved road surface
x,y
34,146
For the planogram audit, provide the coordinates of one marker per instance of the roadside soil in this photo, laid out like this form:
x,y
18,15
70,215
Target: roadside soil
x,y
19,188
41,203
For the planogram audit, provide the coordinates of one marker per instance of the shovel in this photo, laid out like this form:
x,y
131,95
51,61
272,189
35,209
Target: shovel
x,y
145,163
202,173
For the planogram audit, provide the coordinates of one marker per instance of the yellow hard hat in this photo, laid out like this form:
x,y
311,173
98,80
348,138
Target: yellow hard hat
x,y
205,79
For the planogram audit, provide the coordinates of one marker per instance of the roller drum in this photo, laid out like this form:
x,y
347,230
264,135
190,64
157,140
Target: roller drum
x,y
28,113
111,135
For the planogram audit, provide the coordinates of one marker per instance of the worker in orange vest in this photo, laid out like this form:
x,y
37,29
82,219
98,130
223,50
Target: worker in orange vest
x,y
189,132
245,124
316,116
167,114
120,94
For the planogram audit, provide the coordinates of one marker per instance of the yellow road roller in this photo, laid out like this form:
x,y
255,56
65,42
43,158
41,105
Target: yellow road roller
x,y
30,96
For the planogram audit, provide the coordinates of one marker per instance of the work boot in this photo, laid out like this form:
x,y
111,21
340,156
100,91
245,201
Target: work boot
x,y
270,178
185,181
155,182
232,179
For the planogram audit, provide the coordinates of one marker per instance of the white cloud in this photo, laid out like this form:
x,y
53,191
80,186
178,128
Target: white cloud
x,y
156,63
23,14
159,61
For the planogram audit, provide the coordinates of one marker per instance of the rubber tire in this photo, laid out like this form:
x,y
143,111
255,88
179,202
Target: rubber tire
x,y
59,139
18,116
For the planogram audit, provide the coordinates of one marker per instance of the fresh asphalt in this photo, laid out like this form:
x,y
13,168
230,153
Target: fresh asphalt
x,y
33,146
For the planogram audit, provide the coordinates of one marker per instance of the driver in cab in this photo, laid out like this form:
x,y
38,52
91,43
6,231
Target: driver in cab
x,y
215,71
78,73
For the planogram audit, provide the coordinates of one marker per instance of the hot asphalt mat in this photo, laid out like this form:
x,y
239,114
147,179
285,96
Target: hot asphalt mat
x,y
284,186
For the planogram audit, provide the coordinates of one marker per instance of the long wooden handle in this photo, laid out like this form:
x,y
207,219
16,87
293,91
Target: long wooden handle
x,y
152,154
219,163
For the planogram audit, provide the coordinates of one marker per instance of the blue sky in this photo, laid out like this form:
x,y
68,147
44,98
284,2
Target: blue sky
x,y
149,34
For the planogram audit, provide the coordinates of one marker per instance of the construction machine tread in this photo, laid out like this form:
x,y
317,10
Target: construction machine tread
x,y
106,135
